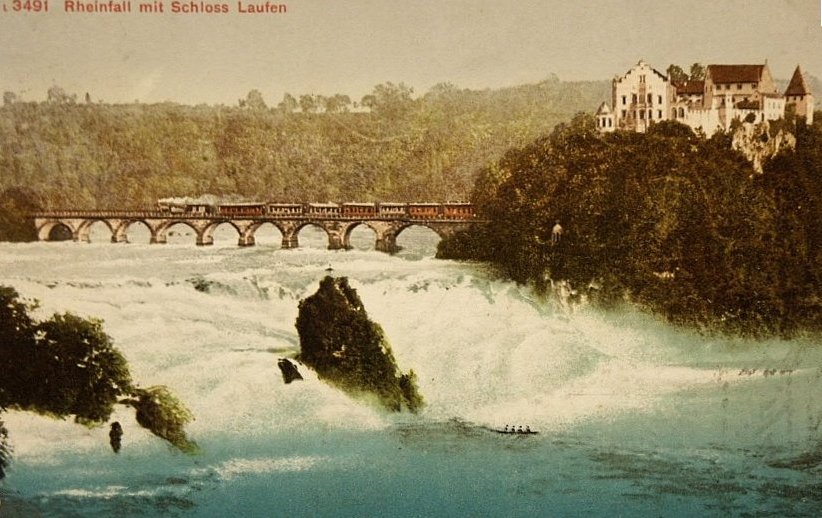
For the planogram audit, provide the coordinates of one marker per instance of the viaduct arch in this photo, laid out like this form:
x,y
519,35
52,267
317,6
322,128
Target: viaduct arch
x,y
338,229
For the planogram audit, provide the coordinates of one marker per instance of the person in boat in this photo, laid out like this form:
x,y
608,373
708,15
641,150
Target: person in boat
x,y
527,429
519,429
506,428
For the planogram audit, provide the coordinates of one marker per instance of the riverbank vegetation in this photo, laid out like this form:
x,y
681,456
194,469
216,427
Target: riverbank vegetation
x,y
671,221
67,366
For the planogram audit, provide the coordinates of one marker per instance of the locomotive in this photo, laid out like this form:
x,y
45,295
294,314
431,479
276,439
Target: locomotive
x,y
449,210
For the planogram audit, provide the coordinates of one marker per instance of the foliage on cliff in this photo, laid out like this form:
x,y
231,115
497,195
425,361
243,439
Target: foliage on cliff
x,y
340,342
669,220
62,366
394,146
67,366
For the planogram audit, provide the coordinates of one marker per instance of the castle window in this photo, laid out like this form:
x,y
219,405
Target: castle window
x,y
739,86
650,114
633,98
624,100
642,114
659,114
650,99
682,112
660,99
610,123
624,114
642,79
673,113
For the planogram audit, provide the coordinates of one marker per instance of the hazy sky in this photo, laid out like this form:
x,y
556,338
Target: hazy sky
x,y
348,46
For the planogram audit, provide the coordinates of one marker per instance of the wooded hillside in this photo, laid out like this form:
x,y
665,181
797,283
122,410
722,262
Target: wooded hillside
x,y
392,146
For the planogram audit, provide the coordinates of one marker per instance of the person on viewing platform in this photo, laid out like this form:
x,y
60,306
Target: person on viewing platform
x,y
556,233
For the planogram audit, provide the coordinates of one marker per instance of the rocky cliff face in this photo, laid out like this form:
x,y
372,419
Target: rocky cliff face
x,y
759,142
344,347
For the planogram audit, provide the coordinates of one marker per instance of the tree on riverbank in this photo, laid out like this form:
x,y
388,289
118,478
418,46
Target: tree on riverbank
x,y
16,203
67,366
668,220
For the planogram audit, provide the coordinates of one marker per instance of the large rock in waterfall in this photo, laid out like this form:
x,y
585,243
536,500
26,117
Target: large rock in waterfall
x,y
344,347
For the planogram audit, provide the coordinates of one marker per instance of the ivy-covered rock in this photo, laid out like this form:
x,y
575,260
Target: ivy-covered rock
x,y
159,411
344,347
5,450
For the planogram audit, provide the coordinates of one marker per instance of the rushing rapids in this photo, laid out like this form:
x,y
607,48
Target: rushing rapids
x,y
632,414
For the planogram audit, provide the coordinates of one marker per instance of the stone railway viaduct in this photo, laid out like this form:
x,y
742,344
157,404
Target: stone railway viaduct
x,y
337,227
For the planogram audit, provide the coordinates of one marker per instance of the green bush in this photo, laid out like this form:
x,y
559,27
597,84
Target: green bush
x,y
159,411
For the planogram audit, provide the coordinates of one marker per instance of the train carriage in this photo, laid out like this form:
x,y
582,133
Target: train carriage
x,y
424,210
457,210
324,210
285,209
359,210
393,210
241,209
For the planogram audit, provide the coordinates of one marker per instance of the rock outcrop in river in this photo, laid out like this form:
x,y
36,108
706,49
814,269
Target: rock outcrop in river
x,y
344,347
289,370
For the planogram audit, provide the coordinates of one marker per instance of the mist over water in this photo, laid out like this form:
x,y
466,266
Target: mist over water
x,y
634,416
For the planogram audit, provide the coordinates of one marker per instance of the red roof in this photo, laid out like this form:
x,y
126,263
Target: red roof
x,y
797,85
722,74
690,87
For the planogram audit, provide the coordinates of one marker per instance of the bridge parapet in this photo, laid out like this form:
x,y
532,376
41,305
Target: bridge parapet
x,y
138,215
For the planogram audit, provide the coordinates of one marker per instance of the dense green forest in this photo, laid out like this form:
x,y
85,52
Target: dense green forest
x,y
391,145
671,221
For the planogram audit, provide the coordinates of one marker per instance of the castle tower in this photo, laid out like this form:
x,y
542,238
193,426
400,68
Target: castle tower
x,y
605,119
799,95
640,98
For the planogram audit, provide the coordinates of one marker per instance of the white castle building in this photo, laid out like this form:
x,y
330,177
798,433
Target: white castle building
x,y
644,96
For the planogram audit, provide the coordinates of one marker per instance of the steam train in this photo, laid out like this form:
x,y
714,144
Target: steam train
x,y
452,210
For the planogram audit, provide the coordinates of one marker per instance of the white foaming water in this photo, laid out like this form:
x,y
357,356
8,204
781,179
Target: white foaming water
x,y
210,323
